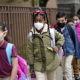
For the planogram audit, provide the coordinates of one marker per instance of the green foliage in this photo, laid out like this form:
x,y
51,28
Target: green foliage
x,y
10,1
33,3
22,53
43,3
25,0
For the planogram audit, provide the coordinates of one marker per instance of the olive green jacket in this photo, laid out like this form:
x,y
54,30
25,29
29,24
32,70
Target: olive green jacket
x,y
39,50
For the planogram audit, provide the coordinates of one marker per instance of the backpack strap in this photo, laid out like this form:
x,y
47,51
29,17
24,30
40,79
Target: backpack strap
x,y
52,36
9,52
71,33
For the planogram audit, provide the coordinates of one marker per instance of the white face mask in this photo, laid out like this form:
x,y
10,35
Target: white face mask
x,y
38,25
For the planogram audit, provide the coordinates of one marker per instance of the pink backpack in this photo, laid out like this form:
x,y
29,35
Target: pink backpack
x,y
22,69
22,73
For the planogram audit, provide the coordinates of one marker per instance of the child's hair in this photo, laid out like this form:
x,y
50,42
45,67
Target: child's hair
x,y
76,16
60,15
79,16
39,12
70,20
3,27
78,12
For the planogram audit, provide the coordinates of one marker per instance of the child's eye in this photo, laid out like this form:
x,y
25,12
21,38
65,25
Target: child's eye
x,y
38,21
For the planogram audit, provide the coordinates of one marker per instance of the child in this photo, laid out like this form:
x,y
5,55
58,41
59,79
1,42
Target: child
x,y
70,22
68,48
42,52
7,71
76,19
61,20
76,61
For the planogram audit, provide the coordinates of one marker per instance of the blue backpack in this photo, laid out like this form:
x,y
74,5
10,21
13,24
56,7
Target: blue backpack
x,y
9,52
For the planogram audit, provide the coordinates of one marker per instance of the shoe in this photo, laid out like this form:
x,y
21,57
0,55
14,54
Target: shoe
x,y
64,78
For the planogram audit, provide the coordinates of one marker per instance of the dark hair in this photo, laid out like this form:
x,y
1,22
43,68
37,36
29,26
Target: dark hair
x,y
39,12
77,15
60,15
3,27
69,20
78,12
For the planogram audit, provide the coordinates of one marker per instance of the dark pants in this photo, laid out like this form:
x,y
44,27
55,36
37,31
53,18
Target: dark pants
x,y
76,67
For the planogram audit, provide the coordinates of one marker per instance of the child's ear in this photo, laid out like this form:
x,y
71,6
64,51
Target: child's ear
x,y
5,33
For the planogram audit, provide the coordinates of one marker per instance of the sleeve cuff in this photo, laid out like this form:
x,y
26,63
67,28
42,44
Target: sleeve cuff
x,y
58,46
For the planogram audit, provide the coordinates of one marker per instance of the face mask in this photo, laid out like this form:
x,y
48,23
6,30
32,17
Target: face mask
x,y
61,25
77,22
38,25
1,37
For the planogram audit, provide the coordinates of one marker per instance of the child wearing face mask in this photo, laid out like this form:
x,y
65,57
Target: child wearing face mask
x,y
7,71
76,60
70,47
76,19
61,21
77,25
41,55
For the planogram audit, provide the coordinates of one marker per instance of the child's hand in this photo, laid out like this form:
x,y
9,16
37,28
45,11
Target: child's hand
x,y
56,49
31,70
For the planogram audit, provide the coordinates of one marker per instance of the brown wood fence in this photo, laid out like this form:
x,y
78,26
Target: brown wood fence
x,y
19,21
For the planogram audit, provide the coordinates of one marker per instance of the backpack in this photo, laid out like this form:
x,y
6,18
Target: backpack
x,y
52,36
22,73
